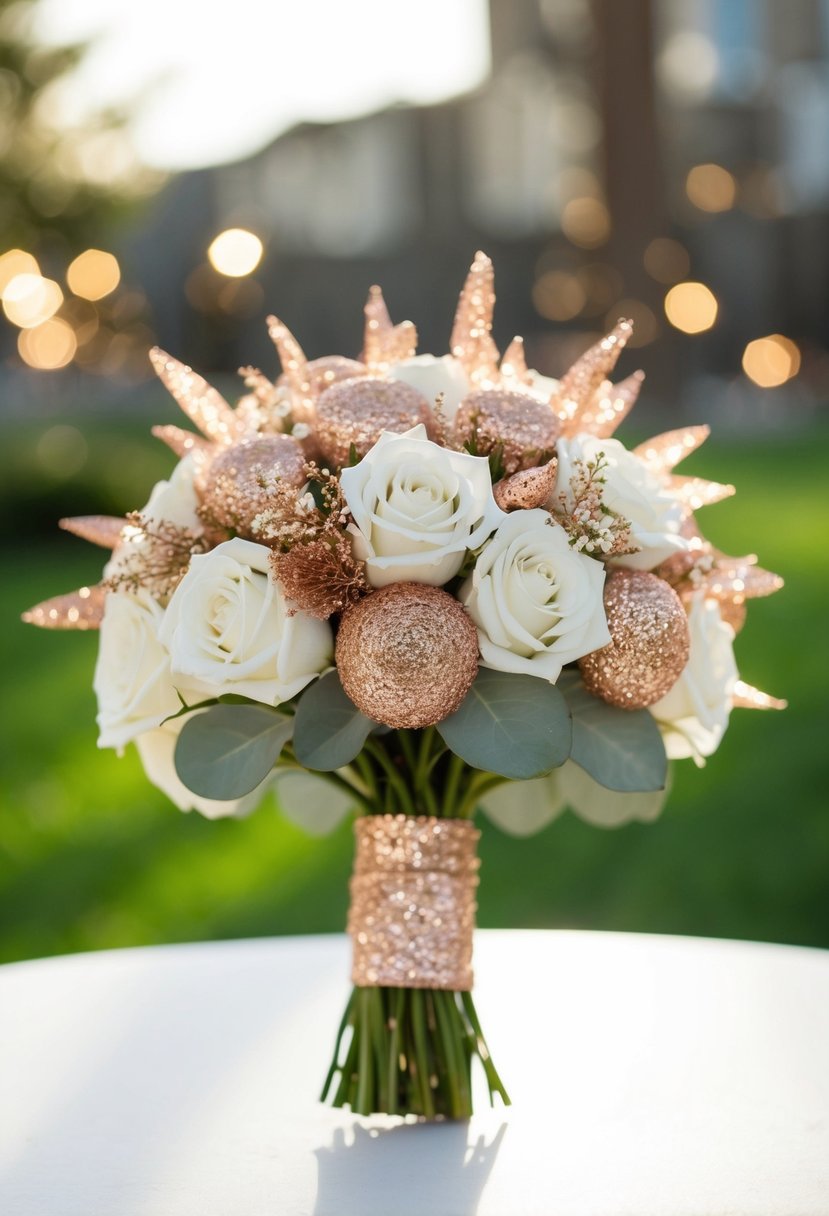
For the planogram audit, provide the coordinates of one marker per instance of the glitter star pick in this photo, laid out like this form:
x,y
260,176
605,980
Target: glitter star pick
x,y
607,408
747,697
696,492
579,385
665,451
383,342
81,609
202,404
513,368
180,441
103,530
471,341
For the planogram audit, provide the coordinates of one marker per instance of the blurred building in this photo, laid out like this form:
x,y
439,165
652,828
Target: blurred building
x,y
616,154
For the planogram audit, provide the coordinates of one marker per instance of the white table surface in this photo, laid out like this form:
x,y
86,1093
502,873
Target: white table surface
x,y
648,1074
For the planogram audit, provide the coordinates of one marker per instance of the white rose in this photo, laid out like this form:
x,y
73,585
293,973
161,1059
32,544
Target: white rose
x,y
157,749
417,508
132,679
228,629
694,714
431,375
537,603
632,491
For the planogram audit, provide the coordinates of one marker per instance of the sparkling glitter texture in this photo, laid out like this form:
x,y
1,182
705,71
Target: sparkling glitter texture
x,y
241,481
413,902
407,655
383,342
180,441
587,378
514,373
357,412
471,341
528,489
747,697
650,642
202,404
103,530
525,428
82,609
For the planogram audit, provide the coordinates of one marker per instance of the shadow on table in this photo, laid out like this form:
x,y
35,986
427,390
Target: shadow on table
x,y
418,1167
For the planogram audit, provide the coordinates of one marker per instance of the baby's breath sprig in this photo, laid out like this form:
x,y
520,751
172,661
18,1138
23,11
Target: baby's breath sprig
x,y
593,527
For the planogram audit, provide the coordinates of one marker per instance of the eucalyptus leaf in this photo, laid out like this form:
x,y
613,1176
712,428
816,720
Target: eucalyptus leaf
x,y
622,749
522,808
226,751
329,730
514,725
606,808
312,803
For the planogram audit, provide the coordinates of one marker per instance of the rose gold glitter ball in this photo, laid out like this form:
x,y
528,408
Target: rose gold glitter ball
x,y
357,411
407,655
527,428
650,642
241,480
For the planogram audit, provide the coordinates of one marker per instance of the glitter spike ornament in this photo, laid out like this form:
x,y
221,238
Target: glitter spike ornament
x,y
103,530
294,369
579,385
180,441
747,697
383,342
607,408
664,452
202,403
471,342
81,609
696,492
514,365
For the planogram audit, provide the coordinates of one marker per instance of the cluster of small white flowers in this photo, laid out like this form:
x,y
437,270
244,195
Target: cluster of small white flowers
x,y
592,527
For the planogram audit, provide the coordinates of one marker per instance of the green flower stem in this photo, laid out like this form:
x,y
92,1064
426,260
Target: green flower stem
x,y
396,784
453,779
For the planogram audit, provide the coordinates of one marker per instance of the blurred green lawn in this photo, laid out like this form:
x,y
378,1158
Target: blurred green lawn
x,y
91,856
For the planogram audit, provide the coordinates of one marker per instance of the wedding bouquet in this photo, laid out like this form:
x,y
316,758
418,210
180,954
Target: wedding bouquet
x,y
412,587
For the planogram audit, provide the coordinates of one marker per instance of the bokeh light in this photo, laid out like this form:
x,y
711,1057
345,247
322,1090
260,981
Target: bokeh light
x,y
235,252
48,346
691,307
29,299
14,262
93,274
586,222
62,450
710,187
559,295
666,260
771,361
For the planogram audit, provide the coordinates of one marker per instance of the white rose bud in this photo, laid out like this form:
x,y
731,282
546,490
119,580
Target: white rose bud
x,y
694,714
536,601
132,679
632,491
417,509
228,629
432,376
157,751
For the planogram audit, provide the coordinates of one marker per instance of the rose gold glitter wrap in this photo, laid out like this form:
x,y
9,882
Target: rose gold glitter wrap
x,y
202,404
526,428
407,654
357,411
413,902
650,642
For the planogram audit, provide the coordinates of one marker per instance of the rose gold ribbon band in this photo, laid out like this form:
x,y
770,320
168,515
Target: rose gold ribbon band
x,y
413,902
